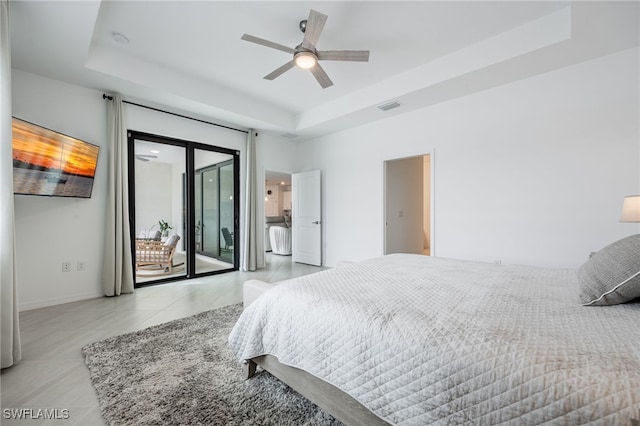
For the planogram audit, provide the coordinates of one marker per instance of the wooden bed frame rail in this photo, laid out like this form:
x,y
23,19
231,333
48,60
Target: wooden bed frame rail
x,y
333,400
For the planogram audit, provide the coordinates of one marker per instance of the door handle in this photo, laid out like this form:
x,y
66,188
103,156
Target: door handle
x,y
317,222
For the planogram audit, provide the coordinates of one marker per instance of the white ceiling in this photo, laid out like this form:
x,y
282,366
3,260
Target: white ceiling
x,y
277,178
188,57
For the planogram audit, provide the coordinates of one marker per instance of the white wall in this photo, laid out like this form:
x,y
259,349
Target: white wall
x,y
50,231
154,196
531,172
272,200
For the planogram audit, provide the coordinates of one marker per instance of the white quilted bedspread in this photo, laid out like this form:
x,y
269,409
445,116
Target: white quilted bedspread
x,y
421,340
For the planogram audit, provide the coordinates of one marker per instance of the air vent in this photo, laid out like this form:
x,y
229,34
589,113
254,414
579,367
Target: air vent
x,y
289,135
389,105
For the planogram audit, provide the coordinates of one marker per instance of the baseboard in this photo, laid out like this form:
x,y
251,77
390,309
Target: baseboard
x,y
27,306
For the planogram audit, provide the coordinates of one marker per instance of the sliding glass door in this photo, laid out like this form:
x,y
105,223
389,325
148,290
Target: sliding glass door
x,y
185,194
214,211
155,206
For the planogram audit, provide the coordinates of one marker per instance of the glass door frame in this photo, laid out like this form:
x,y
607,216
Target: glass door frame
x,y
189,214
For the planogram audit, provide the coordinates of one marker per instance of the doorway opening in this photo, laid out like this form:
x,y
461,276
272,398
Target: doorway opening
x,y
278,213
408,205
184,208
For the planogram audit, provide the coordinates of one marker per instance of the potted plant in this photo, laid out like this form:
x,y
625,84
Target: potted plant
x,y
164,228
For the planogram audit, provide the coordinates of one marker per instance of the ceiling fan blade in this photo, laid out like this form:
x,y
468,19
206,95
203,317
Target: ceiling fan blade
x,y
344,55
315,24
278,72
320,75
267,43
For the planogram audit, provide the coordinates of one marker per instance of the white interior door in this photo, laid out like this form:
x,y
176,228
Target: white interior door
x,y
306,218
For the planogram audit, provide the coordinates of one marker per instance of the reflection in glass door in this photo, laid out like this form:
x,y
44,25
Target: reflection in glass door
x,y
214,211
210,212
226,212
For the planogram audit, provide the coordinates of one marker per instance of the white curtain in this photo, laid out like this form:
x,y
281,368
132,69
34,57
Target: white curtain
x,y
117,275
10,337
250,246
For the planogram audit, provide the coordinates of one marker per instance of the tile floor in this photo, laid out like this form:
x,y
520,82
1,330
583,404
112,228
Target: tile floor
x,y
203,264
52,374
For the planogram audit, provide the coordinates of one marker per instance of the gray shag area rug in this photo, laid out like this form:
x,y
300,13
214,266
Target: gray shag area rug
x,y
183,373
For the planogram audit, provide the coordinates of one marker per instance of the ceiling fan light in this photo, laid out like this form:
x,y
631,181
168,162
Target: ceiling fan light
x,y
305,60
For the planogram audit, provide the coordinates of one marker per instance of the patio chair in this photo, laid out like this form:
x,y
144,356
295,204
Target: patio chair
x,y
228,238
156,254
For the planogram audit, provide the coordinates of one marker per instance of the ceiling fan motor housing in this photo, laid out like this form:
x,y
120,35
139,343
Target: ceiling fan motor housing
x,y
305,55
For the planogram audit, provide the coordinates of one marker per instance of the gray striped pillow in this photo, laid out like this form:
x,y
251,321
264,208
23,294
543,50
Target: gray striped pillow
x,y
612,275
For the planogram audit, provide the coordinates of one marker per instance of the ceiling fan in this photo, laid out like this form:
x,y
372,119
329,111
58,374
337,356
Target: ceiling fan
x,y
145,157
305,55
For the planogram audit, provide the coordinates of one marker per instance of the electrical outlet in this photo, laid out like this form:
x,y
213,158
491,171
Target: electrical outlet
x,y
82,265
66,266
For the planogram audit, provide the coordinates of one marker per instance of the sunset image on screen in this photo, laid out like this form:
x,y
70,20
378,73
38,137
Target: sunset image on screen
x,y
51,164
39,148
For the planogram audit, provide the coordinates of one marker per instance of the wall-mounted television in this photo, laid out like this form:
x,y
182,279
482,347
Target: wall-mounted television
x,y
50,163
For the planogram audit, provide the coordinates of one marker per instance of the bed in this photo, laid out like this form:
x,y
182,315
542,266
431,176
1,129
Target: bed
x,y
416,340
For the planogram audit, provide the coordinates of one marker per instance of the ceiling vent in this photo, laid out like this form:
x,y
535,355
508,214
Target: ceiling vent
x,y
389,105
289,135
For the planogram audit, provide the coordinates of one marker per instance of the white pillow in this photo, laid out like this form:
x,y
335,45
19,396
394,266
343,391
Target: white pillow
x,y
172,240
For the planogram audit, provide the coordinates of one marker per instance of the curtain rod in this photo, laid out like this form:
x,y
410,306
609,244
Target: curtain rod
x,y
105,96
